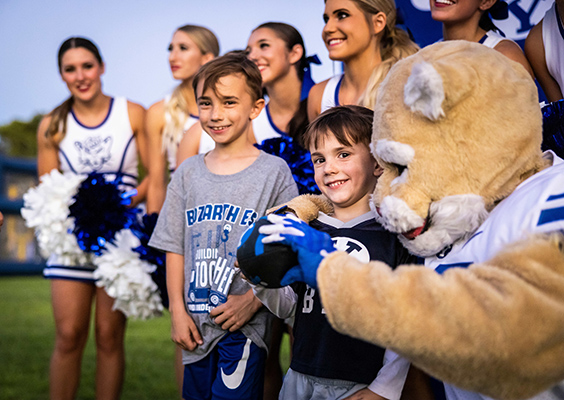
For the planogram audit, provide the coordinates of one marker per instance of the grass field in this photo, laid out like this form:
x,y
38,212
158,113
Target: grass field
x,y
26,342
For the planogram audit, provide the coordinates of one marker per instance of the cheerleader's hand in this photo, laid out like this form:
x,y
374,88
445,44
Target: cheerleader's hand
x,y
310,245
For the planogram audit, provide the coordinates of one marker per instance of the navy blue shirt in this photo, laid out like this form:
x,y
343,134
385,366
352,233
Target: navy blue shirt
x,y
318,349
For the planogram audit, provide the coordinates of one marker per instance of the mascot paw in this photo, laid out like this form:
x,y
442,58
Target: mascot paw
x,y
310,245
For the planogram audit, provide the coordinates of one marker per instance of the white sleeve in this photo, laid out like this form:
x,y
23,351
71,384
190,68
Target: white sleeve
x,y
281,302
391,377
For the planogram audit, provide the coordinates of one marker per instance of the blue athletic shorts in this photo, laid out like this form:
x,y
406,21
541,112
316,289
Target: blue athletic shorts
x,y
233,370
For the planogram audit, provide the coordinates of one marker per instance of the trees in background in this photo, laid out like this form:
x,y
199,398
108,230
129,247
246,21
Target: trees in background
x,y
18,138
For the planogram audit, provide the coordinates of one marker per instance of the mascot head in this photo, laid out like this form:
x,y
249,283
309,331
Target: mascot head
x,y
457,127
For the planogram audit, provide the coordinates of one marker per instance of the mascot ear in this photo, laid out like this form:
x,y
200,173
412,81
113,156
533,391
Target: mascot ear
x,y
432,89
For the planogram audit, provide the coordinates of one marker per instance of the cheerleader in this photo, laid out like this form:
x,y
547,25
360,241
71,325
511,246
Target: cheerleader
x,y
191,47
470,20
363,35
544,48
90,131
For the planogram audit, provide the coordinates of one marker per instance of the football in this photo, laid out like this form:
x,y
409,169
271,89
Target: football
x,y
264,264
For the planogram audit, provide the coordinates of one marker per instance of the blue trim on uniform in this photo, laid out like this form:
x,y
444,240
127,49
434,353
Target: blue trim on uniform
x,y
123,156
472,237
443,267
67,160
194,116
71,267
483,39
97,126
127,175
67,278
337,91
278,130
555,197
551,215
560,27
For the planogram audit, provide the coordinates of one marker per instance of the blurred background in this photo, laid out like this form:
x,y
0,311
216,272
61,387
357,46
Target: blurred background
x,y
133,36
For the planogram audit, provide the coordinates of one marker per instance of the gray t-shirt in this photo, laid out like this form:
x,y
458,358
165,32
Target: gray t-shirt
x,y
203,217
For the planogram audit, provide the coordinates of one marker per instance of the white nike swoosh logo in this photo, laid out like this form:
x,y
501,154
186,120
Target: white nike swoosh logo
x,y
233,380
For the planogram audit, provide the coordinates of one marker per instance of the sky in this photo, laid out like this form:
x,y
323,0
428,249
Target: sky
x,y
133,37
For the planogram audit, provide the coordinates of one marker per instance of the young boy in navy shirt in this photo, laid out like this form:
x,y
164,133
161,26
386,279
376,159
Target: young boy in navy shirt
x,y
326,364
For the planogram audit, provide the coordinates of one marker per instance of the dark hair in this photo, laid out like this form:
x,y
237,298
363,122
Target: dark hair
x,y
348,123
230,64
498,11
76,42
292,37
58,123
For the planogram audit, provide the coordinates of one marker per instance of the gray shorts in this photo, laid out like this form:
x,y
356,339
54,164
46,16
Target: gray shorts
x,y
299,386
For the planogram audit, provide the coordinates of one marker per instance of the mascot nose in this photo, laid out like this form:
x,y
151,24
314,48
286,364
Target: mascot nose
x,y
397,216
412,234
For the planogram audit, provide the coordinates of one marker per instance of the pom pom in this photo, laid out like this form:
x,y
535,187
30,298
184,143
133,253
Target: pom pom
x,y
100,211
553,127
143,230
127,279
297,158
46,209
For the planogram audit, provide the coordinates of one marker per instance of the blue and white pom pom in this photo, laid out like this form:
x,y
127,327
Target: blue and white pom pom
x,y
100,211
297,158
553,127
143,230
46,209
127,279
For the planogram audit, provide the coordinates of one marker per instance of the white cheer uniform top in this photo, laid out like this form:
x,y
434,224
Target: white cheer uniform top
x,y
330,96
171,148
553,40
108,148
492,39
536,206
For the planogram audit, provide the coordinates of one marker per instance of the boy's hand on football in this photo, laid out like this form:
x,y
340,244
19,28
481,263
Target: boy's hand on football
x,y
310,245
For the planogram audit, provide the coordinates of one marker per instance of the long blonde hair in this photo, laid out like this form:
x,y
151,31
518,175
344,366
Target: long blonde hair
x,y
395,44
177,106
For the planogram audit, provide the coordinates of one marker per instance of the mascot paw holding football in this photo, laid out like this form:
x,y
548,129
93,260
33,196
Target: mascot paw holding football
x,y
458,131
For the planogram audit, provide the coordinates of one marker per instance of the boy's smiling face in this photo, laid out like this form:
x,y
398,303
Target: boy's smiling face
x,y
226,111
346,175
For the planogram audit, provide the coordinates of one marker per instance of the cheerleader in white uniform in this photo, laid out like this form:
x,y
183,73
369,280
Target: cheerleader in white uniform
x,y
88,132
167,120
363,35
544,49
470,20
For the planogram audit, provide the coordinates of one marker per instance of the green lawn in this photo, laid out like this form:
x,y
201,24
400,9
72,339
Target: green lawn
x,y
26,340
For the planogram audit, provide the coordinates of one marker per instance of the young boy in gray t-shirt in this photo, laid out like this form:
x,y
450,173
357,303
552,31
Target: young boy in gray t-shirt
x,y
211,200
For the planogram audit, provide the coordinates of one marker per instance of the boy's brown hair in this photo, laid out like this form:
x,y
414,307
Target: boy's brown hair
x,y
230,64
348,124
